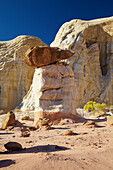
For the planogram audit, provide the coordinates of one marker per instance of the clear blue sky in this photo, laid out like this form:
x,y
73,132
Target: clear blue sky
x,y
43,18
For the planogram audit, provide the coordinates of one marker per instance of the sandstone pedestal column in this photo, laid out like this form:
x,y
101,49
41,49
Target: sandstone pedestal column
x,y
53,84
55,92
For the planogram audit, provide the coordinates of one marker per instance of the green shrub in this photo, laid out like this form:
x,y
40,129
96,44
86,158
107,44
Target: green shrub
x,y
91,102
99,106
92,106
88,107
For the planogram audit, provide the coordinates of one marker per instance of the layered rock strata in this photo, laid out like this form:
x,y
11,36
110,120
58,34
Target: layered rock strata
x,y
55,92
15,75
92,63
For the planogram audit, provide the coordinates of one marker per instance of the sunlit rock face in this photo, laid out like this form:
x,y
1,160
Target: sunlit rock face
x,y
15,75
54,92
43,55
92,63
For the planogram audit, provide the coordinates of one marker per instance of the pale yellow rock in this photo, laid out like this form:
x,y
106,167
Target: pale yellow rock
x,y
52,91
99,114
15,76
68,132
110,120
89,122
7,120
92,63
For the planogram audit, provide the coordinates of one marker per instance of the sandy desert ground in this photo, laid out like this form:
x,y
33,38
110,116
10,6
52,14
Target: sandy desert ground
x,y
89,148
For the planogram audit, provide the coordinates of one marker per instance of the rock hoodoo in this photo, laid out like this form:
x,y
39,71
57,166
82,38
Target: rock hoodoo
x,y
53,86
92,63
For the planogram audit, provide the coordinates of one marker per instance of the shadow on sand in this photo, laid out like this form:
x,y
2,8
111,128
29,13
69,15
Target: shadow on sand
x,y
6,162
42,148
7,133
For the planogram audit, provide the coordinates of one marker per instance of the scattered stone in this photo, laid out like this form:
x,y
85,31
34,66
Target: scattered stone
x,y
44,55
46,127
66,142
99,114
66,121
13,146
42,122
110,120
8,119
30,141
83,133
31,128
83,159
25,134
25,118
68,132
89,122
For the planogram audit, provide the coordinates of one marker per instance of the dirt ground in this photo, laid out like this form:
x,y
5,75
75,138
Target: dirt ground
x,y
89,148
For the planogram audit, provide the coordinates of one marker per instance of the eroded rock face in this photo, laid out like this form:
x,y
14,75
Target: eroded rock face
x,y
92,63
54,91
41,56
15,75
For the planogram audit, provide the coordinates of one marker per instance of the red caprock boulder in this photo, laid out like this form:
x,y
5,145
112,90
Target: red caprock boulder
x,y
44,55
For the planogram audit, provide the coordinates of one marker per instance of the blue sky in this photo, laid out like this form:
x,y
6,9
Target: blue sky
x,y
43,18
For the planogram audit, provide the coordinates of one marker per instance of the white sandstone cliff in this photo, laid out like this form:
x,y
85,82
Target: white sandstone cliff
x,y
92,42
15,75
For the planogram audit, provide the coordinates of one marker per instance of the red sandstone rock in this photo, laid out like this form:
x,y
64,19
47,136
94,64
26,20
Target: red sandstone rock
x,y
44,55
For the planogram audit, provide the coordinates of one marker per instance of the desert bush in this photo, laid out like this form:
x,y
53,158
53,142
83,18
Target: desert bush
x,y
99,106
88,107
93,106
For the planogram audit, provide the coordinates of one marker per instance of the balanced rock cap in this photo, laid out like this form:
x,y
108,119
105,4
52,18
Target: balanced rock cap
x,y
44,55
